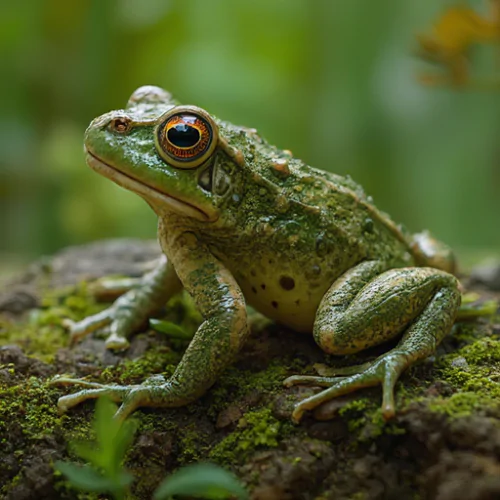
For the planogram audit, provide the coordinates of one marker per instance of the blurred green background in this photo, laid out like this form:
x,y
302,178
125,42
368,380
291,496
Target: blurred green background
x,y
332,80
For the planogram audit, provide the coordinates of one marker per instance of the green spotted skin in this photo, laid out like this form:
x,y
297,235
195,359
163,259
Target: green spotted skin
x,y
247,223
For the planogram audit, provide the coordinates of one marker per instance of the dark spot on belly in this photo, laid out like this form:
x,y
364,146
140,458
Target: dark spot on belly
x,y
263,286
287,283
271,261
254,290
297,302
253,272
274,304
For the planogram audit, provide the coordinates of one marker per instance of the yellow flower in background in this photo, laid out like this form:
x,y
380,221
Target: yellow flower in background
x,y
452,36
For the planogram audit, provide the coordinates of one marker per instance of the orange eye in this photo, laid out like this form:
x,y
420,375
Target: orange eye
x,y
186,137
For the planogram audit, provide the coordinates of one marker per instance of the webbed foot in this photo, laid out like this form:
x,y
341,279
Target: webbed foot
x,y
152,392
385,370
103,320
132,309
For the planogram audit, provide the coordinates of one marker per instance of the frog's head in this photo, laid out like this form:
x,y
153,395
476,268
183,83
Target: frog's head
x,y
175,157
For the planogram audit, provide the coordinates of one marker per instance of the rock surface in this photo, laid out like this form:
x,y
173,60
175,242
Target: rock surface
x,y
443,444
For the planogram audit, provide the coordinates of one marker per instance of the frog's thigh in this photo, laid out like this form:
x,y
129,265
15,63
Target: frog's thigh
x,y
384,308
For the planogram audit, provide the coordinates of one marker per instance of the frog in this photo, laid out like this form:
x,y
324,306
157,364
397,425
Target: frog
x,y
241,222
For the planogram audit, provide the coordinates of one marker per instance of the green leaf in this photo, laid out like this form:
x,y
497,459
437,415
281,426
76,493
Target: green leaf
x,y
201,480
84,477
112,440
105,427
124,439
170,329
113,437
88,452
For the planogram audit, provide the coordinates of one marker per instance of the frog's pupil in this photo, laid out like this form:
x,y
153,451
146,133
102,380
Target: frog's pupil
x,y
183,136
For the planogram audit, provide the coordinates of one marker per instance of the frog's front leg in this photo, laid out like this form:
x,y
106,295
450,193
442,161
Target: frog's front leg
x,y
133,308
214,346
362,310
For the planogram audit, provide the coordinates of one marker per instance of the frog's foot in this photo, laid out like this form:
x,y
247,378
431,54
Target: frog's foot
x,y
153,392
100,321
385,370
132,309
107,319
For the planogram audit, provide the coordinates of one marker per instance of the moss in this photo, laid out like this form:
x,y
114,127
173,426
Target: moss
x,y
485,351
239,383
34,402
257,429
160,360
460,404
74,303
193,444
475,379
365,420
356,413
43,333
28,414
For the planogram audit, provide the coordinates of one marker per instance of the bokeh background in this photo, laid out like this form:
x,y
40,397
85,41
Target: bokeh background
x,y
332,80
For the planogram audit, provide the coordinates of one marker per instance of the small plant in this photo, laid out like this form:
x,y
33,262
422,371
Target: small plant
x,y
171,329
105,472
201,481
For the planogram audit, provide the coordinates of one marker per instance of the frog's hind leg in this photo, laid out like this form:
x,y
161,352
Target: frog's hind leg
x,y
421,302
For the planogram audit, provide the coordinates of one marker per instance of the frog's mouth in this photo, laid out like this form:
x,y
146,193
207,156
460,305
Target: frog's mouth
x,y
151,194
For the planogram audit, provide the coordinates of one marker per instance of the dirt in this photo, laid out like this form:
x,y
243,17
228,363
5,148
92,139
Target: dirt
x,y
443,444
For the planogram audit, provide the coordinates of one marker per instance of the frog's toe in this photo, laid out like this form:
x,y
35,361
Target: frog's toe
x,y
384,370
131,396
310,380
64,381
80,329
115,392
117,342
150,393
338,388
344,371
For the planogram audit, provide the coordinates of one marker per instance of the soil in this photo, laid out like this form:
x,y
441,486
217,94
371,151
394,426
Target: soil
x,y
443,444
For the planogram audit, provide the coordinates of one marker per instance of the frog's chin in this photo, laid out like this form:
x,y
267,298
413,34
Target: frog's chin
x,y
158,200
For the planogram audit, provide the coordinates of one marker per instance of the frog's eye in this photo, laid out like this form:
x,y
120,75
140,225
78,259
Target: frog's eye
x,y
186,136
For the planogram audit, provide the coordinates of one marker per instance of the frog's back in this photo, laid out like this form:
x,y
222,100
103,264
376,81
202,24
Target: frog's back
x,y
343,220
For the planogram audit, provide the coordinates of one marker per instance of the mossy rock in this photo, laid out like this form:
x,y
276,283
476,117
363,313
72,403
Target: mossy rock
x,y
444,442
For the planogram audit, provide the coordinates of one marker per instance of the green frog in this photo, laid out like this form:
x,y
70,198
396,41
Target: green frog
x,y
243,222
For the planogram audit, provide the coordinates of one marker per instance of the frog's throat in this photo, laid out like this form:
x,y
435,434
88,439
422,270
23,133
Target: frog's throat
x,y
151,194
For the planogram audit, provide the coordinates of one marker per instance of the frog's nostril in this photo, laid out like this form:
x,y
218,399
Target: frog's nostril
x,y
120,125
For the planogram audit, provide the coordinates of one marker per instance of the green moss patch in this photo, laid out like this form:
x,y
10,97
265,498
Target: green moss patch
x,y
257,429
